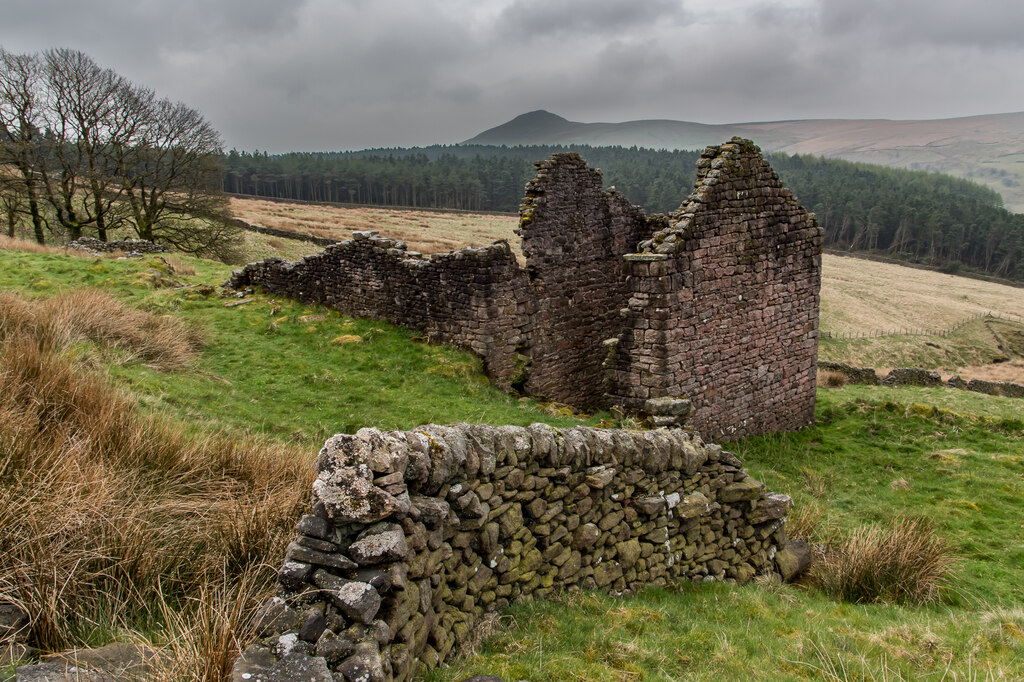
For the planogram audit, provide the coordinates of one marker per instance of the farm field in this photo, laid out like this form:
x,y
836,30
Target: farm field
x,y
864,296
423,231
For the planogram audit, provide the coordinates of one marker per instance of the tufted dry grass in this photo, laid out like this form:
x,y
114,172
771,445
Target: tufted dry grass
x,y
14,244
831,379
109,517
57,323
902,562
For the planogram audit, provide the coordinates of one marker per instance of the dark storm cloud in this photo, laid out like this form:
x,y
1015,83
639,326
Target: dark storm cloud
x,y
329,74
143,29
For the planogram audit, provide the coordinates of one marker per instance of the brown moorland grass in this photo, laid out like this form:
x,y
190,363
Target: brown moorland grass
x,y
15,244
830,379
859,296
1003,371
163,342
423,231
109,517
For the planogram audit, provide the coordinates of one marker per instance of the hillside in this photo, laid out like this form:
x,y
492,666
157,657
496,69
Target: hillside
x,y
162,517
913,216
988,149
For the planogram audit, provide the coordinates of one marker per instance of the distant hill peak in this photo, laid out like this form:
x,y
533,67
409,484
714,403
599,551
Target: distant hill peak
x,y
988,149
524,129
539,116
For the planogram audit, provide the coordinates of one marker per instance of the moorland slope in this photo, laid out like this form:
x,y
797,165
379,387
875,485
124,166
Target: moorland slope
x,y
988,149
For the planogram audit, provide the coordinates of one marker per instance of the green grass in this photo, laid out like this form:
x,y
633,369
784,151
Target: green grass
x,y
955,400
954,457
718,632
964,472
278,367
972,344
260,246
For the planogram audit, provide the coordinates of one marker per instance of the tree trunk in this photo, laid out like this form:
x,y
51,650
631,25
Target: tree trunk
x,y
12,219
37,220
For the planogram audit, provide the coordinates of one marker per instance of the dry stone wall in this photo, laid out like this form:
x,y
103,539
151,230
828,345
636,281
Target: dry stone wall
x,y
716,304
414,536
131,247
475,298
916,376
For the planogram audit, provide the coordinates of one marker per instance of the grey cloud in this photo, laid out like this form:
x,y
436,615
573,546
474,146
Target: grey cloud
x,y
322,74
949,23
528,19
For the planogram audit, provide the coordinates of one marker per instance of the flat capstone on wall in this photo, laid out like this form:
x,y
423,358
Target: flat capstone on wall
x,y
412,537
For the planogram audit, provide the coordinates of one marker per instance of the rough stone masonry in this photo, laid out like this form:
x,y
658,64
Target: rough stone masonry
x,y
716,303
414,536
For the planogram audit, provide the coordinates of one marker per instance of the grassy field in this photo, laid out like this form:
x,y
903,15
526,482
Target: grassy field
x,y
862,296
262,381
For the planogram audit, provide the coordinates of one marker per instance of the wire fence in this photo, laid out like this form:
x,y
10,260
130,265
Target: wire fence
x,y
913,331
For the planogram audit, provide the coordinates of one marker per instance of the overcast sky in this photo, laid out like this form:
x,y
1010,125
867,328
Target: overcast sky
x,y
284,75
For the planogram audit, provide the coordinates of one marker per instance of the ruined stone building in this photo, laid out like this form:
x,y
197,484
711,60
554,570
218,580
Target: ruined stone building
x,y
716,302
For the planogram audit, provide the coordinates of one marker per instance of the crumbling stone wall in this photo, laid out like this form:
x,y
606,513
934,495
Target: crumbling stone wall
x,y
128,246
574,236
916,376
475,298
716,303
724,304
414,536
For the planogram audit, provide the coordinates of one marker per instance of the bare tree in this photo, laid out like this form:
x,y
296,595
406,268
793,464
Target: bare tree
x,y
21,116
84,126
172,179
102,153
12,201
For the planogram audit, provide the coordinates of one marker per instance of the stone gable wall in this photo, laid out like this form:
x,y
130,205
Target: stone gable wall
x,y
414,536
574,236
716,303
724,305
